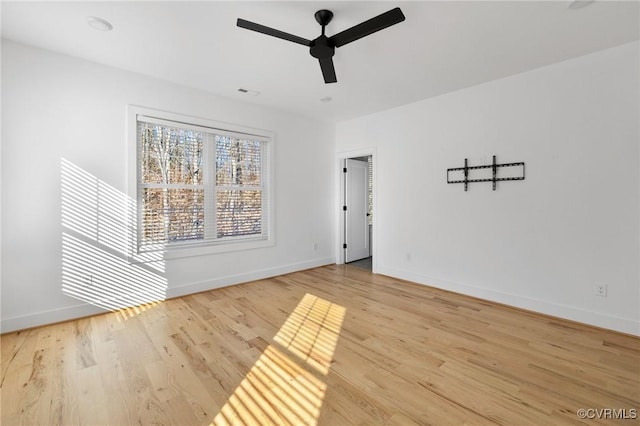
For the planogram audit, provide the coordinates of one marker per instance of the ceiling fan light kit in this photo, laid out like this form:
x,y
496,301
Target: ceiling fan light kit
x,y
323,47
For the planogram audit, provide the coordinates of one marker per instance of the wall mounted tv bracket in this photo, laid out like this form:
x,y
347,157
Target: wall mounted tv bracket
x,y
462,174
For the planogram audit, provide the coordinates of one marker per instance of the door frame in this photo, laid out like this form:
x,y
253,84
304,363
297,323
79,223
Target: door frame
x,y
357,229
340,236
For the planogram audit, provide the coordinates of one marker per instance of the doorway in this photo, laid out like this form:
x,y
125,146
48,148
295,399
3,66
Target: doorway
x,y
358,211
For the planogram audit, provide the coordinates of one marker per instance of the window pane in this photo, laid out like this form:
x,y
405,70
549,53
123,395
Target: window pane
x,y
239,213
169,155
172,215
238,161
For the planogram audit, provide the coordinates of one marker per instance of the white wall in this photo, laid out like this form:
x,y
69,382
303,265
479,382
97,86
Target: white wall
x,y
542,243
60,112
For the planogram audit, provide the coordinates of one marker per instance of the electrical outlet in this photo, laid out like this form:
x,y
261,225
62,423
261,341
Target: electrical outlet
x,y
601,290
315,246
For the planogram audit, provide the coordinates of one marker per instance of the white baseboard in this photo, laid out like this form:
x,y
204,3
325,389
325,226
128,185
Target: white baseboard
x,y
572,313
85,309
49,317
244,277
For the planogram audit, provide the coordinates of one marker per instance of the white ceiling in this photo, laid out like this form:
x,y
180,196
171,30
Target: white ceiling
x,y
439,48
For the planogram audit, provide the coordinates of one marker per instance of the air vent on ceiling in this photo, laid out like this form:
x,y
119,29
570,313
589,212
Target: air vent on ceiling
x,y
249,92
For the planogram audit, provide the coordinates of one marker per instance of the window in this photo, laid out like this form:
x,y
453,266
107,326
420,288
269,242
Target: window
x,y
200,184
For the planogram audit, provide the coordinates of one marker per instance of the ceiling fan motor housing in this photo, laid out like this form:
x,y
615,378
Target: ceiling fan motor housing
x,y
322,48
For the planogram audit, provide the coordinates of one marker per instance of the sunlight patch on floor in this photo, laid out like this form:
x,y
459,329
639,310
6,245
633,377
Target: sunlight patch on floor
x,y
280,389
133,311
311,332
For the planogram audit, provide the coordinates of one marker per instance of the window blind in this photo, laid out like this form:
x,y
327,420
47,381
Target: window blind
x,y
199,185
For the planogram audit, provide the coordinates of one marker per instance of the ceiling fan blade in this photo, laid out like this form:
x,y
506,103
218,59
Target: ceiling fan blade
x,y
328,70
272,32
377,23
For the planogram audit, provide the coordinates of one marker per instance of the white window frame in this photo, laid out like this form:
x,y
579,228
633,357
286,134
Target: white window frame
x,y
211,246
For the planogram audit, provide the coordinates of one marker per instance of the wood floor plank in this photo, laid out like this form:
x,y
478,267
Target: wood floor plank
x,y
335,345
64,378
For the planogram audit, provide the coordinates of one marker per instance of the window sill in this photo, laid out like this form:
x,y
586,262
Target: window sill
x,y
227,246
179,252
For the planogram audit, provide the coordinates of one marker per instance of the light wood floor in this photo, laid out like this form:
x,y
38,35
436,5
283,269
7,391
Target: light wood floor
x,y
329,346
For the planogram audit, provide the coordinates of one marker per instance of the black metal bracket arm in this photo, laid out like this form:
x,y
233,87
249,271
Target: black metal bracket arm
x,y
494,173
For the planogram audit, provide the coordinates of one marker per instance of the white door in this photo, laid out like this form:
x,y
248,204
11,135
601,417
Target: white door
x,y
357,202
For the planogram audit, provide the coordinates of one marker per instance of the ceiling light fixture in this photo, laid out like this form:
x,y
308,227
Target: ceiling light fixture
x,y
99,23
579,4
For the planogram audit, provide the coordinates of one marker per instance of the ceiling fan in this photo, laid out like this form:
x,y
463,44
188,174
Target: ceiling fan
x,y
323,47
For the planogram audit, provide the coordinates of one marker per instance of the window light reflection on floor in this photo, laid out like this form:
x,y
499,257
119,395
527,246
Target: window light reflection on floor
x,y
280,388
311,331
